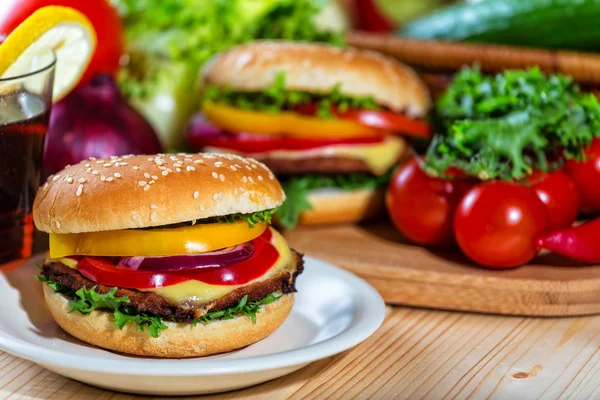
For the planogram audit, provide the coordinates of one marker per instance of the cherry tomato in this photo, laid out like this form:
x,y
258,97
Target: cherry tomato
x,y
252,143
586,176
558,192
381,119
497,224
104,272
104,18
421,207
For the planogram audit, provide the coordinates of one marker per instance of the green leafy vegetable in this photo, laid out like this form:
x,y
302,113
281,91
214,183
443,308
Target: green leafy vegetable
x,y
85,301
191,31
244,307
297,189
278,97
503,126
258,217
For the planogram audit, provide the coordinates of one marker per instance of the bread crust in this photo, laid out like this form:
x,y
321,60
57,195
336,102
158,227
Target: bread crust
x,y
342,206
180,340
143,191
319,68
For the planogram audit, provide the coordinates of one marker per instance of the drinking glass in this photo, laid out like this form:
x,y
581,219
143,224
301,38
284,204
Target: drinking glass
x,y
25,102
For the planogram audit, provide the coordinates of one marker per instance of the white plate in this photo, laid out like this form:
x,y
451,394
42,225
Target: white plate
x,y
334,311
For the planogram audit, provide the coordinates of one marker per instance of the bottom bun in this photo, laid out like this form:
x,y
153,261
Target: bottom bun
x,y
342,206
179,340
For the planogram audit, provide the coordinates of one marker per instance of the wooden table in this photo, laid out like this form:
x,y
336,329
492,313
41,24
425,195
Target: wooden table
x,y
415,354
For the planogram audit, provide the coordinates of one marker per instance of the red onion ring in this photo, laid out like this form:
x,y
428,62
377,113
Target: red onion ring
x,y
219,258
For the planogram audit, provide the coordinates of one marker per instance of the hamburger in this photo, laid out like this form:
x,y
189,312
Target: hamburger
x,y
166,255
324,119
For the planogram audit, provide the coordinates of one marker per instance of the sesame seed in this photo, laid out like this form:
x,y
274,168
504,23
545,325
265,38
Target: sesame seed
x,y
235,191
88,169
45,185
196,195
102,178
117,164
151,159
142,183
220,195
215,196
188,156
124,163
159,161
57,224
188,168
254,166
81,180
222,177
69,179
260,178
177,169
162,168
109,179
94,172
187,160
173,158
154,177
177,164
114,157
153,206
56,177
248,168
99,162
242,189
165,173
245,179
87,165
233,168
146,187
198,161
215,175
245,161
218,164
251,180
151,182
136,167
79,190
117,175
146,175
108,165
152,215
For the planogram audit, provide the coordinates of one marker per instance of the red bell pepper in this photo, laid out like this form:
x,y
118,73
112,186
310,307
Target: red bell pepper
x,y
580,242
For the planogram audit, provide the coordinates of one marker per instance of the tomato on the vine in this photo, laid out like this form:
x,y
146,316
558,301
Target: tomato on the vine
x,y
421,207
104,18
586,175
497,224
559,193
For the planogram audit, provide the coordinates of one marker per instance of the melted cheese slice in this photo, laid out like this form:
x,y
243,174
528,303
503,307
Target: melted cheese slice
x,y
379,157
193,291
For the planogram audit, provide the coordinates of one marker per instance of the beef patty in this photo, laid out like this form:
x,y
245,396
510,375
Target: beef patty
x,y
152,303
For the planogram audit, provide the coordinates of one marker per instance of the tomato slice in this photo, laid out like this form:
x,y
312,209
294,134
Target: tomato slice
x,y
251,143
385,120
102,271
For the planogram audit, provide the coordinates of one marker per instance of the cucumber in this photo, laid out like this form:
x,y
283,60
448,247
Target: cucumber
x,y
552,24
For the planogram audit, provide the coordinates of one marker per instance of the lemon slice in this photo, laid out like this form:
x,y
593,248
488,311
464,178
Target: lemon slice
x,y
64,30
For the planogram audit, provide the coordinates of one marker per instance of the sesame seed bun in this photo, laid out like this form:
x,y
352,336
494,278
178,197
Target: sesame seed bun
x,y
333,206
179,340
319,68
152,190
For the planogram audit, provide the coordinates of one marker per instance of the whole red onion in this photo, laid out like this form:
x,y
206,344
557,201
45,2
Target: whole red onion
x,y
95,121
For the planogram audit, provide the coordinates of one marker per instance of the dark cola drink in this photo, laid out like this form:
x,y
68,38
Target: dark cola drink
x,y
23,125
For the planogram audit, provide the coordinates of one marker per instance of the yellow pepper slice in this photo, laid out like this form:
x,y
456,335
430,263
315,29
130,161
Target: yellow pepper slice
x,y
195,239
288,124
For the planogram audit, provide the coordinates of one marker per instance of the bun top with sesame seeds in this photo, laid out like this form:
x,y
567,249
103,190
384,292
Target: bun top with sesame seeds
x,y
129,192
319,68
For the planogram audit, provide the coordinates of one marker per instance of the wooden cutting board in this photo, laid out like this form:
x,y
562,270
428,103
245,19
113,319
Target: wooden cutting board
x,y
411,275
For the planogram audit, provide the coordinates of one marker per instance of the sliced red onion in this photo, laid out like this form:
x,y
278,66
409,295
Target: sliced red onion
x,y
219,258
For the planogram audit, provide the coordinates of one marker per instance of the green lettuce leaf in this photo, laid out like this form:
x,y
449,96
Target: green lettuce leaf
x,y
503,126
243,308
258,217
278,97
297,189
152,324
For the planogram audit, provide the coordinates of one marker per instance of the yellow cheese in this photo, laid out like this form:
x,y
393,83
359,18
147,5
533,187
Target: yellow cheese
x,y
380,157
196,291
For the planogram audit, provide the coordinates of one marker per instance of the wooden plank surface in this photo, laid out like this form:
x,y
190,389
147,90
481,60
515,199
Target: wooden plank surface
x,y
411,275
416,354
